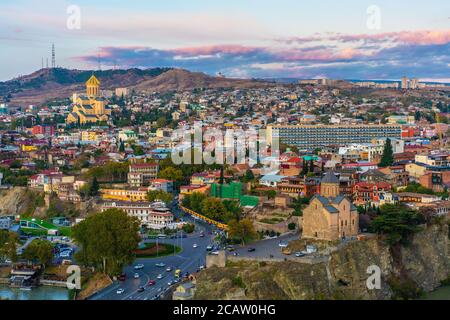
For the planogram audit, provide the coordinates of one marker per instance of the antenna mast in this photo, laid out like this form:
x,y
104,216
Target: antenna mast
x,y
53,56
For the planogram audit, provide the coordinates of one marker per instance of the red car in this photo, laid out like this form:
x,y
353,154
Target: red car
x,y
123,277
151,283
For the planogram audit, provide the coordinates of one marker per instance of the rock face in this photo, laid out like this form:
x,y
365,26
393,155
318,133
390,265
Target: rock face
x,y
17,200
426,261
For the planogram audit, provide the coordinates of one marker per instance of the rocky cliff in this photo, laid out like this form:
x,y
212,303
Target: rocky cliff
x,y
20,200
420,267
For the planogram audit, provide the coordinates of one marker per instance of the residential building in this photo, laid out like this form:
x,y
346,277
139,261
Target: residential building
x,y
141,174
152,215
314,136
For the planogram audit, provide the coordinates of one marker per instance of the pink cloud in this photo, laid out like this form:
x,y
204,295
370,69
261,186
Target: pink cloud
x,y
424,37
214,49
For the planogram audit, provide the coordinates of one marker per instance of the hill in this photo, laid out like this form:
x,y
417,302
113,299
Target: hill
x,y
58,83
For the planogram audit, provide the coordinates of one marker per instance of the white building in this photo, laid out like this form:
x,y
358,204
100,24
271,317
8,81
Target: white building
x,y
153,215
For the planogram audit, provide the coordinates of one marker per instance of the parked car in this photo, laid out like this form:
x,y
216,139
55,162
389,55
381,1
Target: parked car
x,y
283,244
160,265
195,245
299,254
169,269
251,250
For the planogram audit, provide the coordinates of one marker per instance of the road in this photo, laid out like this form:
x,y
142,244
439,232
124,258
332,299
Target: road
x,y
266,248
188,260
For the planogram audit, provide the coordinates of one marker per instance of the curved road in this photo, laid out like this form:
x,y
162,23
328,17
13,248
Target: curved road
x,y
188,260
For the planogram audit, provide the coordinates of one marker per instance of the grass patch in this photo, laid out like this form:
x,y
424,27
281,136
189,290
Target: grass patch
x,y
151,250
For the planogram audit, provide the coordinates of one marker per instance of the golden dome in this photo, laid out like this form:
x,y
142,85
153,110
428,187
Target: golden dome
x,y
93,81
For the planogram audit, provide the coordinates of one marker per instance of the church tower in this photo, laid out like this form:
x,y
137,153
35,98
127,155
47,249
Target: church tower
x,y
329,186
93,87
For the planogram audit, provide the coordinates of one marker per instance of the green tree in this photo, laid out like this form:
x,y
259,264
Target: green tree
x,y
249,176
397,223
154,195
122,147
8,245
243,230
387,159
107,240
214,208
194,201
94,187
171,173
189,227
39,251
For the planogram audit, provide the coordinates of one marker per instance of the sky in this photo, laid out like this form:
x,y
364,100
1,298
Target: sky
x,y
347,39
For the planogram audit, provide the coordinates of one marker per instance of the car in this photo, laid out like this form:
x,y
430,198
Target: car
x,y
169,283
141,289
151,283
136,276
299,254
139,266
123,277
283,245
160,276
201,267
169,269
215,253
195,245
120,291
160,265
209,248
202,234
65,254
251,250
176,280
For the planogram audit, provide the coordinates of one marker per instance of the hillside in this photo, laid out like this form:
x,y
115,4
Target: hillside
x,y
178,79
58,83
423,265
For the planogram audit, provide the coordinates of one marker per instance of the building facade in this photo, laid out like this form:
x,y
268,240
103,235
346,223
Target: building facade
x,y
314,136
141,174
152,215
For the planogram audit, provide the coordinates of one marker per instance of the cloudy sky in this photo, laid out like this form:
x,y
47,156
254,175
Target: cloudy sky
x,y
345,39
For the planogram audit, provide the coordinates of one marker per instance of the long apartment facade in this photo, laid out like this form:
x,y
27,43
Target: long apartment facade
x,y
316,136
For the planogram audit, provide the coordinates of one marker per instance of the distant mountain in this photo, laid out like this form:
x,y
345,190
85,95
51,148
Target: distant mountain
x,y
58,83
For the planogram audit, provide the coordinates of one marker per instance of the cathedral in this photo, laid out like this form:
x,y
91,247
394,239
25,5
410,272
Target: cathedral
x,y
330,216
89,108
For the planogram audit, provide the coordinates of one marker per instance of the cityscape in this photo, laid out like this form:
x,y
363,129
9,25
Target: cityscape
x,y
188,157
